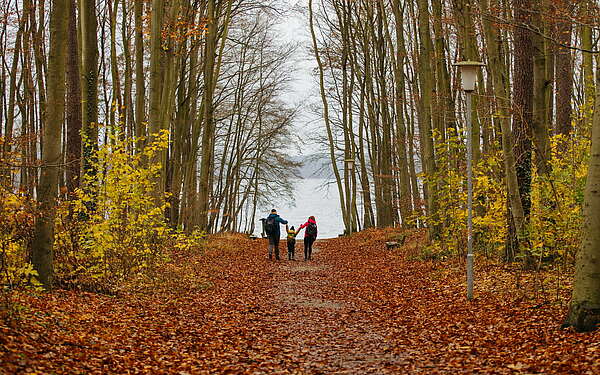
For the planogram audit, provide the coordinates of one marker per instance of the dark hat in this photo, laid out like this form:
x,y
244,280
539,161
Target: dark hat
x,y
273,211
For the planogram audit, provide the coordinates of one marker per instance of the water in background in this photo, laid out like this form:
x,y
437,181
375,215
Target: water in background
x,y
312,198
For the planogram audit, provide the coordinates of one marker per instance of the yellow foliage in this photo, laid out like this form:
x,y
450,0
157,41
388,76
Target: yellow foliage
x,y
489,214
556,213
17,216
115,228
557,199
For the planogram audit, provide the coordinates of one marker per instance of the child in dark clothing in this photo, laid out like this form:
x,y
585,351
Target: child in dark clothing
x,y
291,241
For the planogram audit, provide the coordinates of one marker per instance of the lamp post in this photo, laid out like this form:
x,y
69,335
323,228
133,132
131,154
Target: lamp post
x,y
349,167
468,77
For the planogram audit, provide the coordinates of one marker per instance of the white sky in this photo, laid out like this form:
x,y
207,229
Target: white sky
x,y
303,90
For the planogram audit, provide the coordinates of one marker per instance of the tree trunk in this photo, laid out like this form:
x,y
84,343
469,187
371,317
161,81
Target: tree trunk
x,y
140,90
426,81
43,238
117,101
88,24
156,88
584,310
587,62
73,115
385,211
209,124
498,71
523,107
541,116
564,75
5,175
401,102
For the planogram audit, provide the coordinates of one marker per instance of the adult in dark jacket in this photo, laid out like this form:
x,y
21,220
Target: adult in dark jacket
x,y
275,233
310,235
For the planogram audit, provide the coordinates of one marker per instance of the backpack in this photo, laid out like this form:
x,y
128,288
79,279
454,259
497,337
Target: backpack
x,y
311,230
270,226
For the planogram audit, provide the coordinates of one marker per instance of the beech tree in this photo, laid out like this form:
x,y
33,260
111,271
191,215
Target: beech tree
x,y
41,254
584,310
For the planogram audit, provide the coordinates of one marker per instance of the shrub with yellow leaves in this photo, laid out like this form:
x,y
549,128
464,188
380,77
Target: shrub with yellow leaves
x,y
556,214
17,214
557,199
489,199
115,229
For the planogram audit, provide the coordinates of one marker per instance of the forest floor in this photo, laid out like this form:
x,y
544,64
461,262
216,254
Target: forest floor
x,y
356,308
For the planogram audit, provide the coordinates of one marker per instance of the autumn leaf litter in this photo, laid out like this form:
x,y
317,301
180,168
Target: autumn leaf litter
x,y
357,308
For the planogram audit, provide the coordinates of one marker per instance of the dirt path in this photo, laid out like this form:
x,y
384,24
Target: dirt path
x,y
356,308
318,330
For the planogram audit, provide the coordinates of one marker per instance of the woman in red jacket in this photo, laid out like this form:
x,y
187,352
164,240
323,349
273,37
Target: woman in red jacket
x,y
310,235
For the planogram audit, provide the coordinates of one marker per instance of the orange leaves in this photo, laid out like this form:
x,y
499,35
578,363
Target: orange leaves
x,y
356,308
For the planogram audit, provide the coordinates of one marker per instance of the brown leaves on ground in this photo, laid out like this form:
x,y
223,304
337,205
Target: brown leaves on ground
x,y
356,308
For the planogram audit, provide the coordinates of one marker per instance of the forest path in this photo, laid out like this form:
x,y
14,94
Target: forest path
x,y
356,308
317,328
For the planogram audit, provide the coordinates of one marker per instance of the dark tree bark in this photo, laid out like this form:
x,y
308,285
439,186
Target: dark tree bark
x,y
523,102
140,88
73,115
564,75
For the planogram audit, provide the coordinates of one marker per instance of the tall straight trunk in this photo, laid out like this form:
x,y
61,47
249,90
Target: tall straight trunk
x,y
386,210
156,86
344,102
43,238
209,120
169,89
12,85
564,75
11,105
140,90
368,217
587,66
584,309
414,184
73,115
348,89
523,105
128,111
326,118
188,216
30,109
541,116
498,71
117,101
373,141
446,104
88,25
426,81
38,25
400,103
182,127
549,51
